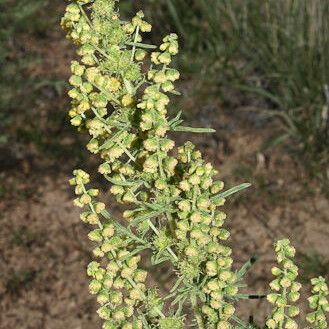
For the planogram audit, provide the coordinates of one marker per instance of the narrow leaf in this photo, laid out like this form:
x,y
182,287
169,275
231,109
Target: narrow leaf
x,y
249,296
231,191
141,45
194,130
246,267
145,216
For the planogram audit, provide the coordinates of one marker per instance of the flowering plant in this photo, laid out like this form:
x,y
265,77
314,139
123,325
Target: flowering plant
x,y
172,201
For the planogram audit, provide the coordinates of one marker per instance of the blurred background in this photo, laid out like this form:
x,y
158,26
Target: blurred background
x,y
257,71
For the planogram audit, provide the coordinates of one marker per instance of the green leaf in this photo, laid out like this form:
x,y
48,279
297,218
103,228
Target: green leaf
x,y
270,143
158,259
123,183
262,92
240,322
146,216
141,45
246,267
121,228
231,191
248,296
194,130
176,120
175,92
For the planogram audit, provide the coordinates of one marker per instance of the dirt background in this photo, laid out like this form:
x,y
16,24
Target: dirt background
x,y
43,245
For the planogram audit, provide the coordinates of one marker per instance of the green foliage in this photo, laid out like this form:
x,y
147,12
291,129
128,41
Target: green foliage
x,y
171,198
15,17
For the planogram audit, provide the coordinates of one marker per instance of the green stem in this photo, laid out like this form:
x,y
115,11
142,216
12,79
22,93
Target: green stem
x,y
134,44
163,176
131,157
197,312
284,295
85,15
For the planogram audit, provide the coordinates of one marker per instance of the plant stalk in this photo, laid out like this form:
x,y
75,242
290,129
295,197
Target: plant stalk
x,y
197,312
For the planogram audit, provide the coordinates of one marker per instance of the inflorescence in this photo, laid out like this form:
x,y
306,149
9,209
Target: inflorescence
x,y
120,96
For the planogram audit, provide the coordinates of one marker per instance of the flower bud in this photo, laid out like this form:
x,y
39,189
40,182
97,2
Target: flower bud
x,y
92,219
291,324
191,251
75,81
104,313
94,287
140,276
99,207
164,58
271,324
184,205
108,231
223,325
76,121
276,271
293,296
275,285
103,297
217,187
95,235
194,180
272,298
140,54
98,252
293,311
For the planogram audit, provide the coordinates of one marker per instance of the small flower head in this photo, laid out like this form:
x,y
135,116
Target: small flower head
x,y
285,288
318,303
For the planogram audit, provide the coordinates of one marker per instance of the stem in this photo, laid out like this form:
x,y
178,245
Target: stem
x,y
171,223
134,44
197,313
163,175
85,15
284,294
131,157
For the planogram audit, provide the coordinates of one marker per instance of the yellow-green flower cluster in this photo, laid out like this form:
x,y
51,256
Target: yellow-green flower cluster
x,y
319,304
120,286
200,234
171,200
120,96
171,323
285,288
